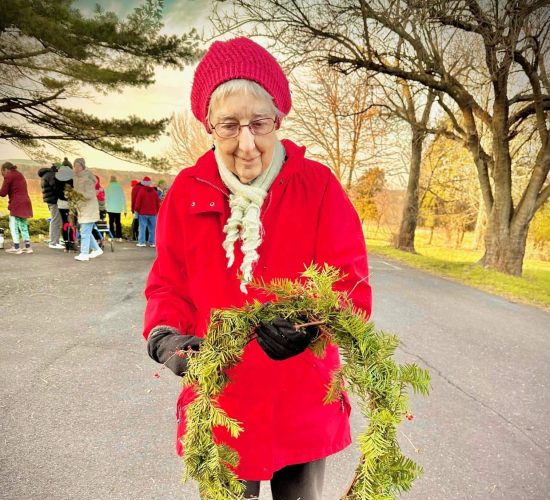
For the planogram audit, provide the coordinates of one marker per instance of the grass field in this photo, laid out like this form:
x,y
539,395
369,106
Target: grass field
x,y
39,208
460,264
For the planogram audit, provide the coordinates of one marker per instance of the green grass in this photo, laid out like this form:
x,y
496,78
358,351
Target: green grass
x,y
39,208
460,265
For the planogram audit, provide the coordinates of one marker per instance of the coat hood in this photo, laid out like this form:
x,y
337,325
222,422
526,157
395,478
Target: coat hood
x,y
64,174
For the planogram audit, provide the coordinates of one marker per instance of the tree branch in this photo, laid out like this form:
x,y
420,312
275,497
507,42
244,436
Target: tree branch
x,y
27,55
16,103
542,197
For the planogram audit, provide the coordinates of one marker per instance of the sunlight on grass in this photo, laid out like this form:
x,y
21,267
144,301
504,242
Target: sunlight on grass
x,y
39,208
532,288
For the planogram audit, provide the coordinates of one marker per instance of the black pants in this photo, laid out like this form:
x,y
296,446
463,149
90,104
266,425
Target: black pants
x,y
135,229
114,224
295,482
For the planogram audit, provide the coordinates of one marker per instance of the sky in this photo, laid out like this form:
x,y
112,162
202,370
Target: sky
x,y
168,95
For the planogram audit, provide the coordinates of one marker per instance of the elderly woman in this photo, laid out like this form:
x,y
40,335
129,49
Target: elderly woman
x,y
84,182
255,207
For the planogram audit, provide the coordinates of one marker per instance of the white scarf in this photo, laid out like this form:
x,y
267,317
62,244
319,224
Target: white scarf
x,y
246,201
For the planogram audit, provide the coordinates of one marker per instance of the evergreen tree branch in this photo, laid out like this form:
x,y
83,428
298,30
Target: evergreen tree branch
x,y
368,369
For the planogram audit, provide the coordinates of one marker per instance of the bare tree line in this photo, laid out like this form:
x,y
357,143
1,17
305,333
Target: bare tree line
x,y
448,55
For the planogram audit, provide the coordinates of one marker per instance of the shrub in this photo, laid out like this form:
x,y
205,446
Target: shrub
x,y
39,226
36,226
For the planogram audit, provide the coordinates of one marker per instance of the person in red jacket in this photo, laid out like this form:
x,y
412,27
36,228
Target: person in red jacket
x,y
255,207
147,206
14,186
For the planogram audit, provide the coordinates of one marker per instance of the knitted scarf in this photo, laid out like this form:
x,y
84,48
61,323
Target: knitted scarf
x,y
246,201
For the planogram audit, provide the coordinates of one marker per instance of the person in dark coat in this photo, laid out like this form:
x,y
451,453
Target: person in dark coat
x,y
50,197
64,178
147,206
14,187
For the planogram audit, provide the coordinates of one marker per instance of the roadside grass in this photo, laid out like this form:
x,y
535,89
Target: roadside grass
x,y
39,208
461,265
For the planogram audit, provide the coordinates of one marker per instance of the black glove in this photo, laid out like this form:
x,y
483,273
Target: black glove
x,y
164,341
280,340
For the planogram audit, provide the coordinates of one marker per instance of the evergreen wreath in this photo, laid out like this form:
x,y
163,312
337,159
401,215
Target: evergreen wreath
x,y
367,370
74,200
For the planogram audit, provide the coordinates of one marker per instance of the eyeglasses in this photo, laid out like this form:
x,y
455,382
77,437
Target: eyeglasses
x,y
229,130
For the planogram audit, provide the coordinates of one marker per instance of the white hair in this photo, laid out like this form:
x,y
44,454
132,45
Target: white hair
x,y
247,87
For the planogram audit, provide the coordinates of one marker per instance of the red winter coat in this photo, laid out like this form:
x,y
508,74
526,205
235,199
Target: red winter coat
x,y
147,201
133,197
307,218
15,187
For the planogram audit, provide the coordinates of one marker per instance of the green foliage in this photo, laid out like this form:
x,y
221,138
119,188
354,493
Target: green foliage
x,y
36,226
50,52
364,191
539,232
368,369
74,199
449,189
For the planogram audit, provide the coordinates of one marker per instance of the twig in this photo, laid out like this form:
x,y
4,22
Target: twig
x,y
311,323
416,450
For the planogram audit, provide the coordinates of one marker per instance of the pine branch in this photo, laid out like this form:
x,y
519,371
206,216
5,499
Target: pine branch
x,y
368,370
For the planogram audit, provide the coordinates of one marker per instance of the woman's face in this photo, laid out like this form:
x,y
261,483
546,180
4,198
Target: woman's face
x,y
77,167
246,155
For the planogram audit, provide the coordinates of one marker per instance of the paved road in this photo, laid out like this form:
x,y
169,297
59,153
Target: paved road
x,y
82,416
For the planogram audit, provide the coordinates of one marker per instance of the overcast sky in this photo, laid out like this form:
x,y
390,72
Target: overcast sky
x,y
169,94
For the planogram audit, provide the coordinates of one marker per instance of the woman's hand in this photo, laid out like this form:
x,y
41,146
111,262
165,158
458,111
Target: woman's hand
x,y
280,339
166,345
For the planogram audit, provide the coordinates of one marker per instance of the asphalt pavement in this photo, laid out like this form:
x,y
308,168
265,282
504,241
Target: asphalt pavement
x,y
83,417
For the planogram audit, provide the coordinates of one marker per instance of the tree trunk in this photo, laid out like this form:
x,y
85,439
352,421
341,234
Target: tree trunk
x,y
431,235
502,248
481,223
407,229
505,253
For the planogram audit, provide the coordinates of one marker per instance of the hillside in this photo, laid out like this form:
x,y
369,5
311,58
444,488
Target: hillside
x,y
30,169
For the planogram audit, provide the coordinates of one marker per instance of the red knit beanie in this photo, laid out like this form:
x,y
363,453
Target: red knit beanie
x,y
234,59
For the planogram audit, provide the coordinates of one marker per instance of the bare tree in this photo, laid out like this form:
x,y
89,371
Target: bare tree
x,y
407,39
188,141
413,106
333,116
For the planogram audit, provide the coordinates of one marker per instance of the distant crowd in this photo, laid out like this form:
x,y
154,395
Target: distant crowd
x,y
79,207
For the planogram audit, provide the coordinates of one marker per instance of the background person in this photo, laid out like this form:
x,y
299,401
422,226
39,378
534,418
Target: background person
x,y
64,178
50,197
100,193
162,189
88,210
255,207
147,206
115,203
14,186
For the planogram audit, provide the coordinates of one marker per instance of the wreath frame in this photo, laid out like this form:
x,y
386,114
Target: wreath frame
x,y
367,370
